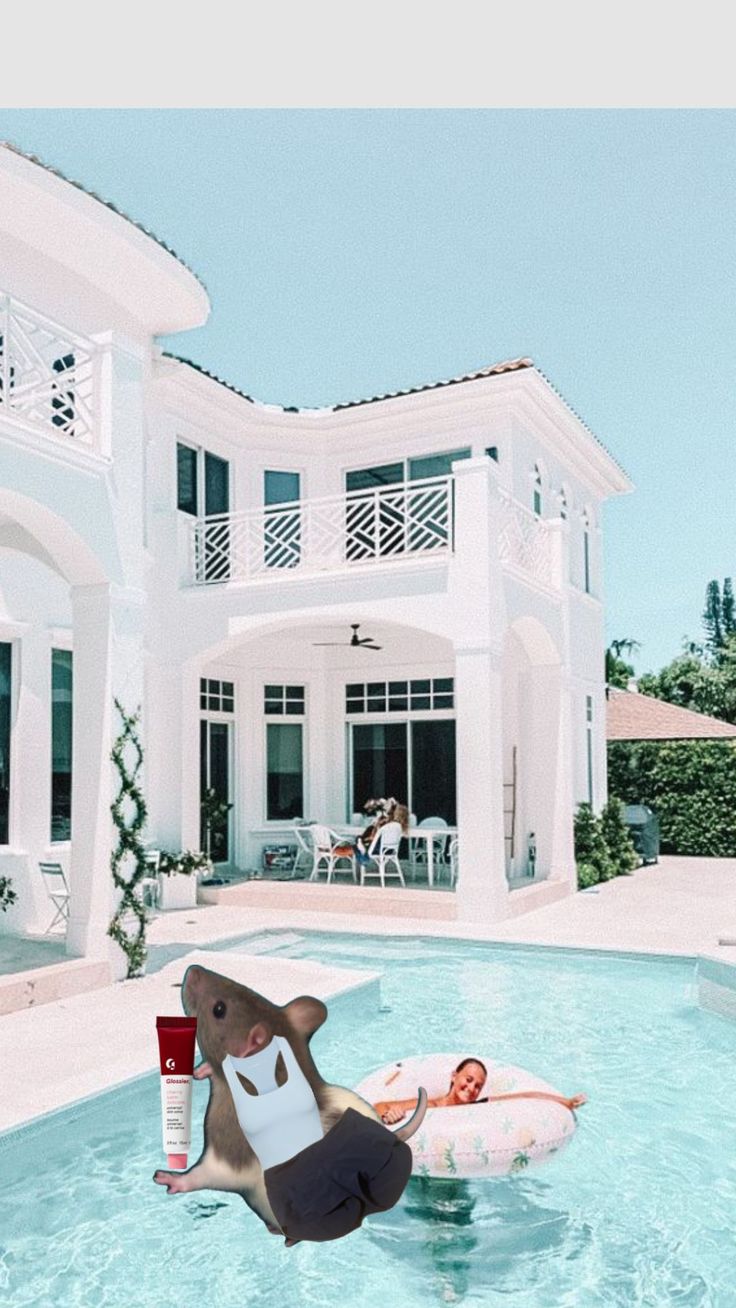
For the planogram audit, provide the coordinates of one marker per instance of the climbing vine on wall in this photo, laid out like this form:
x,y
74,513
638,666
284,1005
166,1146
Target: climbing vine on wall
x,y
129,815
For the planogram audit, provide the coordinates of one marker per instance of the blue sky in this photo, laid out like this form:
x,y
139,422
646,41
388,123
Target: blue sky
x,y
352,252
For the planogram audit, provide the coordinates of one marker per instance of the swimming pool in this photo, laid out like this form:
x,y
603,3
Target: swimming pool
x,y
639,1210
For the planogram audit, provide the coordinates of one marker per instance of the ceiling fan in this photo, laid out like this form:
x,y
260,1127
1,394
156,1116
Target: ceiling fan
x,y
355,642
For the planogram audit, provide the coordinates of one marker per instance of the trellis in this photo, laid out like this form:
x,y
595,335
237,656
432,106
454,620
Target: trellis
x,y
129,845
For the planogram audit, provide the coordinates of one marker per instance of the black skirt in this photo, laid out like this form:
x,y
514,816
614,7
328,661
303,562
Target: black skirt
x,y
325,1191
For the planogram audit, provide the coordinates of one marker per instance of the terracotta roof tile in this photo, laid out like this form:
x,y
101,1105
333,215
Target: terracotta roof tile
x,y
633,716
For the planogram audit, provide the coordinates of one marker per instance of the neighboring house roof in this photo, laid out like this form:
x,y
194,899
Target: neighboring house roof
x,y
633,716
56,172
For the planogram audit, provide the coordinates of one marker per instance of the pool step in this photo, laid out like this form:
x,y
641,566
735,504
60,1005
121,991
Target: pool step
x,y
42,985
313,896
268,942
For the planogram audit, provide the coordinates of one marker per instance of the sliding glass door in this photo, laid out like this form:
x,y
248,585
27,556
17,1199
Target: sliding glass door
x,y
214,758
61,744
6,651
433,770
413,761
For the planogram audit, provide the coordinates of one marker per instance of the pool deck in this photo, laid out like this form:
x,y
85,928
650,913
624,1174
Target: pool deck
x,y
88,1042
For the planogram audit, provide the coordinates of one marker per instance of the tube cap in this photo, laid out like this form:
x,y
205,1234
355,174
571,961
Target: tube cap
x,y
177,1160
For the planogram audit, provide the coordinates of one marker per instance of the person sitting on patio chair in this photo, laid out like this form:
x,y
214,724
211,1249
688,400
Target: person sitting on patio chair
x,y
384,811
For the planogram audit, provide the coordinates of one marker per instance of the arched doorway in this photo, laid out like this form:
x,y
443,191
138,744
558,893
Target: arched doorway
x,y
55,773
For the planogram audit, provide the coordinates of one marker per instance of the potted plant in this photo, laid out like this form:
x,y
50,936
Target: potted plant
x,y
177,878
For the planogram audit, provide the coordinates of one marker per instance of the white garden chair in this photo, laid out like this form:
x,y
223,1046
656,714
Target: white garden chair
x,y
419,852
327,843
148,885
305,850
453,856
58,893
384,854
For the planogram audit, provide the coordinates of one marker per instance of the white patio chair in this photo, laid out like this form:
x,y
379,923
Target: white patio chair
x,y
419,852
453,856
325,853
58,892
148,886
384,851
304,850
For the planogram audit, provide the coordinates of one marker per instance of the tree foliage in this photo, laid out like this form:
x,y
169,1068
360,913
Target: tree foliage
x,y
690,784
591,852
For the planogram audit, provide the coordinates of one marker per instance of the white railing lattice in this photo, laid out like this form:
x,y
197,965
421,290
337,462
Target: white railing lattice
x,y
408,519
524,541
48,375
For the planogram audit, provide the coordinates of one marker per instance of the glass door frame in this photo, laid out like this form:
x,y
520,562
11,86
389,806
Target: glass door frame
x,y
382,720
229,720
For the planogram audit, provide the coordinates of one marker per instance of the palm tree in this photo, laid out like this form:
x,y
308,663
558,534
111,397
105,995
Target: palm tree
x,y
617,671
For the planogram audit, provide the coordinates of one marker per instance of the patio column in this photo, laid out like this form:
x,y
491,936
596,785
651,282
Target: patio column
x,y
172,753
562,856
482,888
32,767
561,844
108,663
477,606
188,733
548,774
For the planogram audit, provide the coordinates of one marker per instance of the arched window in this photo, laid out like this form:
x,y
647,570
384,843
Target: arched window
x,y
537,491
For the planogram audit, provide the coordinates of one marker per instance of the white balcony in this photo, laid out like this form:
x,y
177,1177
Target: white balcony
x,y
397,523
524,542
49,376
405,521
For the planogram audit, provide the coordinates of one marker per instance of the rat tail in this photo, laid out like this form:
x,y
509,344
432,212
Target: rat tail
x,y
415,1121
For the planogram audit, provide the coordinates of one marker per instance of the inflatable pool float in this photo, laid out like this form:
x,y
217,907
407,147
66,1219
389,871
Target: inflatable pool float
x,y
480,1139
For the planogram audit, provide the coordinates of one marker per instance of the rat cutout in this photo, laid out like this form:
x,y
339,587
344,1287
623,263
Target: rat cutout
x,y
310,1158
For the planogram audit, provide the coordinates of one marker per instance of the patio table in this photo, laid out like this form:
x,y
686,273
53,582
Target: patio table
x,y
428,834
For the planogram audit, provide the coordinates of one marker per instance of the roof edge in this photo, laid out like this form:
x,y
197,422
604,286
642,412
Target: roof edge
x,y
107,204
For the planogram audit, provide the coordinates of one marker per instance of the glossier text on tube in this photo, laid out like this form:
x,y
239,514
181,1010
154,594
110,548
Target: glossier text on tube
x,y
176,1057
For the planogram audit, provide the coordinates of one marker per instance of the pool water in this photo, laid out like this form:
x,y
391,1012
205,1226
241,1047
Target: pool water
x,y
640,1209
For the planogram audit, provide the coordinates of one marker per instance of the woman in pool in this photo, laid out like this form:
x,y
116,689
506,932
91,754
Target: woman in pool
x,y
466,1083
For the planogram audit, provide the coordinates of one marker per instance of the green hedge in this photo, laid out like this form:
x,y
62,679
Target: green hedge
x,y
603,846
690,785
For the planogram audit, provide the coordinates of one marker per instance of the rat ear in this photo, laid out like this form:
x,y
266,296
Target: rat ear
x,y
306,1014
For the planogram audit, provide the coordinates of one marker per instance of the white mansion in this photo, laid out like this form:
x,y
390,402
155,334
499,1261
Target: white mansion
x,y
168,542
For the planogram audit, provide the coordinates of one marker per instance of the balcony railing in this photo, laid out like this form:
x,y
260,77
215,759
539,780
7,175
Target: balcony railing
x,y
409,519
48,375
524,541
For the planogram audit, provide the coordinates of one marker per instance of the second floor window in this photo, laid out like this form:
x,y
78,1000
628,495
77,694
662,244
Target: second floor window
x,y
203,481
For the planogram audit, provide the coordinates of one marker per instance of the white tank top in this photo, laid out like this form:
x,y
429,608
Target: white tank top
x,y
280,1120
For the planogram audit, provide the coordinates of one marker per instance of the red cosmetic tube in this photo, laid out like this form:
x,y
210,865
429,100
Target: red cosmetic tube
x,y
176,1036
